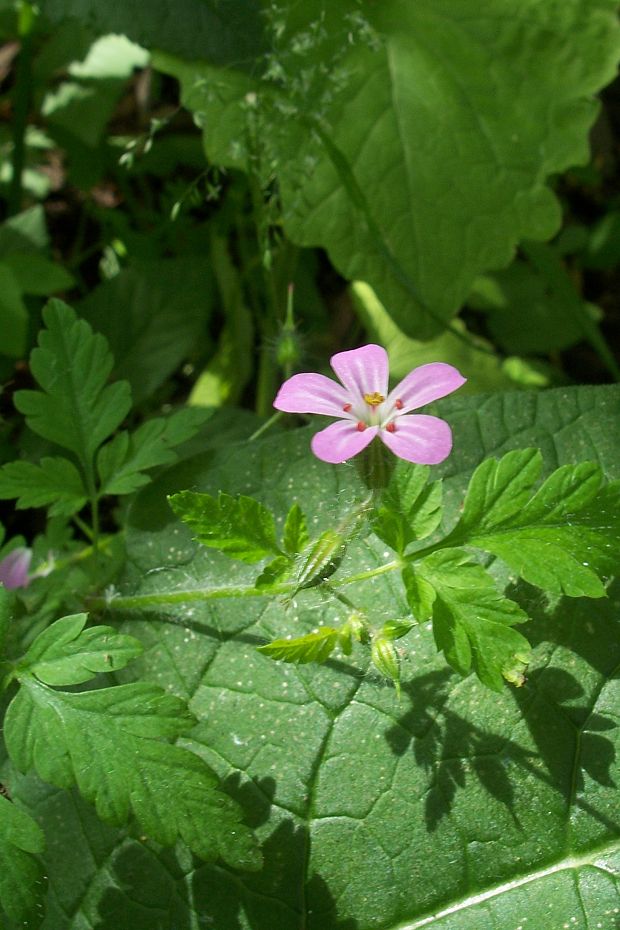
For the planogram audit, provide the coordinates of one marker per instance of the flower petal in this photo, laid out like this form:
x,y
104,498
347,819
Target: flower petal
x,y
425,384
341,441
419,438
363,371
14,568
312,393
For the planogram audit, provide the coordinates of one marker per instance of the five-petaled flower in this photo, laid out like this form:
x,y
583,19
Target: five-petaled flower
x,y
366,409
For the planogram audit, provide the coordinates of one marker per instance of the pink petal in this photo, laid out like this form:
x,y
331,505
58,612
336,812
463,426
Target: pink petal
x,y
14,568
363,371
341,441
312,393
419,438
425,384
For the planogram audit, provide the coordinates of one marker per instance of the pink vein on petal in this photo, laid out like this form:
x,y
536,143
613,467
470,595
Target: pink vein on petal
x,y
312,393
419,438
425,384
363,371
341,441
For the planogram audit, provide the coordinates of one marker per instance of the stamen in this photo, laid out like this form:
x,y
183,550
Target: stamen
x,y
398,404
391,427
361,426
347,407
374,399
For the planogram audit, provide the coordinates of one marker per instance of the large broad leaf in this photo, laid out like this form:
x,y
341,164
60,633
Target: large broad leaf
x,y
222,30
455,808
413,140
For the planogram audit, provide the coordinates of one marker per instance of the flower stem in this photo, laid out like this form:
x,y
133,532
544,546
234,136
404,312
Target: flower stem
x,y
375,465
266,425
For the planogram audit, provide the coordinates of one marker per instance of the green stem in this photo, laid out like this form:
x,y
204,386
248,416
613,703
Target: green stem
x,y
174,598
375,466
21,103
266,425
85,553
94,510
83,527
266,381
341,597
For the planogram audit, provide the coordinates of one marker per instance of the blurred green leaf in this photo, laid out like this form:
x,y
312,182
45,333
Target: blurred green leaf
x,y
470,354
154,314
228,372
38,275
55,483
13,314
121,463
24,232
20,873
76,409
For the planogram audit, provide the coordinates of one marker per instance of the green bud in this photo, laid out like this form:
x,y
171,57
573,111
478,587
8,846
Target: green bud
x,y
356,627
288,349
385,659
321,560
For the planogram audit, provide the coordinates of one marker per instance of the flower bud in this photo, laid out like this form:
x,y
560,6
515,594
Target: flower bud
x,y
288,349
385,659
14,568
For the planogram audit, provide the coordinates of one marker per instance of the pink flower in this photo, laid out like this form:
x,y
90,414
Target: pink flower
x,y
366,409
14,568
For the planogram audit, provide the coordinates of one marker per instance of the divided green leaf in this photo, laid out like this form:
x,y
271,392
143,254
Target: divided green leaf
x,y
295,533
420,594
562,536
76,408
121,463
55,483
274,572
108,743
67,654
314,647
21,839
409,509
472,621
240,526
